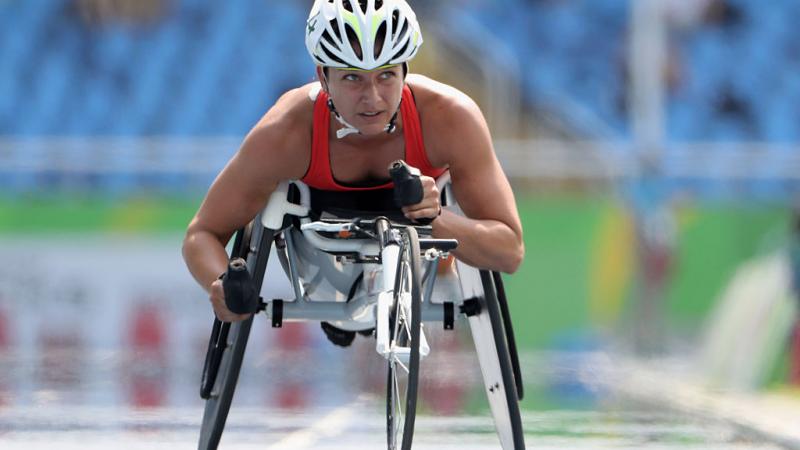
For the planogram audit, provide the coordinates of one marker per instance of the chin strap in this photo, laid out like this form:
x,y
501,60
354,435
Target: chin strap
x,y
349,129
392,125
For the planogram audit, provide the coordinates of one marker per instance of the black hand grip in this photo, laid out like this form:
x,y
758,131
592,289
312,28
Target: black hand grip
x,y
407,185
240,292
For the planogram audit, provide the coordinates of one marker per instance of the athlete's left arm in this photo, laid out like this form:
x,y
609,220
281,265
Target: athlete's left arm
x,y
490,236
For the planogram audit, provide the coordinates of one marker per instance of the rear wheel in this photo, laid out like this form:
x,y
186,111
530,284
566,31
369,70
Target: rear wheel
x,y
219,332
405,327
500,371
505,314
229,341
219,400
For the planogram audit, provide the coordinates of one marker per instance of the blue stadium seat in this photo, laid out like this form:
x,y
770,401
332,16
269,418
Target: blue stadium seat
x,y
211,69
207,69
201,70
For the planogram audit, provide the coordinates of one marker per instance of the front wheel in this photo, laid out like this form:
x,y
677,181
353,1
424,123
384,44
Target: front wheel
x,y
405,328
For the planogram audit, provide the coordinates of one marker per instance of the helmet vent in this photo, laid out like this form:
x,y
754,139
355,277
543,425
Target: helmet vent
x,y
362,5
395,19
328,53
380,39
326,37
354,42
335,28
403,29
402,50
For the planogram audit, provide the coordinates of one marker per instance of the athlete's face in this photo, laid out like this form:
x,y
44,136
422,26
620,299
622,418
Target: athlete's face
x,y
366,100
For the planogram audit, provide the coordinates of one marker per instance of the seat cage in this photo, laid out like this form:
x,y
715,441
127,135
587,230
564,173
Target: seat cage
x,y
338,279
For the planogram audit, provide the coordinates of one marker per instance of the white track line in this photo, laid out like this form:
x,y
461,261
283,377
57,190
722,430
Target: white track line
x,y
771,415
333,424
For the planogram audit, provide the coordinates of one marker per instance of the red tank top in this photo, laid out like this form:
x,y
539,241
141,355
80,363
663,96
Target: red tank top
x,y
319,173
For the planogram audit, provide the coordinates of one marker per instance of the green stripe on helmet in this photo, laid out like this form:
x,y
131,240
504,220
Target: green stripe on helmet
x,y
376,22
357,69
353,21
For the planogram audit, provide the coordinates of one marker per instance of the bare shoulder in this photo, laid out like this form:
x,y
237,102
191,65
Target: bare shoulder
x,y
432,95
448,116
282,137
292,106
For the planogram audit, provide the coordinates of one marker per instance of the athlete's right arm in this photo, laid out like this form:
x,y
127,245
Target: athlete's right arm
x,y
268,155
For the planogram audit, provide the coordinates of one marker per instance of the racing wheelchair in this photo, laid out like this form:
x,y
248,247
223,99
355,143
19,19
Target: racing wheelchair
x,y
362,270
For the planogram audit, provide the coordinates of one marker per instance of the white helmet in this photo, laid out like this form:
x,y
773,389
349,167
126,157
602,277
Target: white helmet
x,y
362,34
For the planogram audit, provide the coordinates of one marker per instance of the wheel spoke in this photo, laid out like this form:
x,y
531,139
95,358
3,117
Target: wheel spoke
x,y
407,327
398,406
399,416
400,363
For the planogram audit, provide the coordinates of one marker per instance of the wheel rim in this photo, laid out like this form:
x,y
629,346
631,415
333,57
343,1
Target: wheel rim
x,y
403,373
398,376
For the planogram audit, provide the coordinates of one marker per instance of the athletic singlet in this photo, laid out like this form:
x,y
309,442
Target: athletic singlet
x,y
319,174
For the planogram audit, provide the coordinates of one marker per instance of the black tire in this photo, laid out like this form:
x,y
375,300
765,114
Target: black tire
x,y
220,398
232,348
403,381
216,347
505,362
219,331
505,313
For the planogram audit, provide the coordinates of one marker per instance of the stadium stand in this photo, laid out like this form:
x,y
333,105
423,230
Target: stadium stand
x,y
734,73
199,69
89,69
204,69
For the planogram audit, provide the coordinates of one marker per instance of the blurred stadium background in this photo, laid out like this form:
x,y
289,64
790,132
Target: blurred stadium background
x,y
654,148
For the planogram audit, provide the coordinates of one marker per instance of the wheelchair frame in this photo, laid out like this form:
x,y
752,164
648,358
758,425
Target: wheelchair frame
x,y
482,301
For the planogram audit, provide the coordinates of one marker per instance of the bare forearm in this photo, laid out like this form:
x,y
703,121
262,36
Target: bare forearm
x,y
205,257
487,244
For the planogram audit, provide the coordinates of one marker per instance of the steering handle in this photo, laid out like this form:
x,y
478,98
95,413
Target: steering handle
x,y
407,186
240,291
